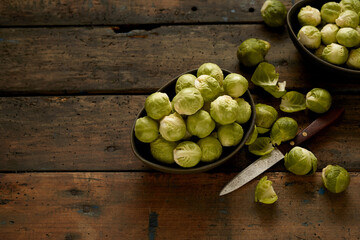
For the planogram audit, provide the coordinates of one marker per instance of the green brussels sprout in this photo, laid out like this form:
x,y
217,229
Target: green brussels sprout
x,y
293,102
264,192
224,110
273,13
230,135
335,178
348,37
310,37
261,146
348,18
354,59
335,53
245,111
253,136
158,105
162,150
265,116
265,75
213,70
262,130
172,127
146,129
187,154
328,33
318,52
276,91
252,51
330,11
235,85
188,101
184,81
200,124
283,129
208,86
300,161
353,5
309,16
211,149
318,100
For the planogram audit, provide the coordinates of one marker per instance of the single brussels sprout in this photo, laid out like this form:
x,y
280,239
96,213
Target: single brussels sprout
x,y
158,105
348,18
188,101
276,91
353,5
208,86
318,52
265,115
330,11
273,13
335,53
348,37
146,129
235,85
310,37
162,150
264,192
261,146
328,33
293,102
224,110
354,59
184,81
213,70
230,135
318,100
283,129
265,75
252,51
335,178
172,127
245,111
309,16
253,136
187,154
300,161
211,149
200,124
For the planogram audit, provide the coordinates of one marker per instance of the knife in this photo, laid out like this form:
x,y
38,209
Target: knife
x,y
267,161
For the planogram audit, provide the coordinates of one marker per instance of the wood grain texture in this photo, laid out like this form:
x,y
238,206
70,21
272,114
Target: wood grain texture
x,y
162,206
97,60
92,133
117,12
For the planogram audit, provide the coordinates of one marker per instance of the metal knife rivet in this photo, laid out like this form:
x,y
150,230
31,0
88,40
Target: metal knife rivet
x,y
304,134
292,143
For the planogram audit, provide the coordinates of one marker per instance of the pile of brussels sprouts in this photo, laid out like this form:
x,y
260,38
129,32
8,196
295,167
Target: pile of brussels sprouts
x,y
205,115
333,32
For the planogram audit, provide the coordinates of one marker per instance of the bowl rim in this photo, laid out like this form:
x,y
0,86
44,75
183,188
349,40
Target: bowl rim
x,y
203,168
293,10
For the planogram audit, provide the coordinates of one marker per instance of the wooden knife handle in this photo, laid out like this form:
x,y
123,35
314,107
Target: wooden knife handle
x,y
316,126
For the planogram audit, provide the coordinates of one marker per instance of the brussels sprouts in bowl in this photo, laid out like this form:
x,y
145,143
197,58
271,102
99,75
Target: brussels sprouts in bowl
x,y
161,147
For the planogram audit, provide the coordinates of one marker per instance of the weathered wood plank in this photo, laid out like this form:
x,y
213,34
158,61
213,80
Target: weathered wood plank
x,y
97,60
158,206
115,12
93,133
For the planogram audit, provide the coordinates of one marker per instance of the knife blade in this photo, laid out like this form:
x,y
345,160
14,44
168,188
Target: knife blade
x,y
267,161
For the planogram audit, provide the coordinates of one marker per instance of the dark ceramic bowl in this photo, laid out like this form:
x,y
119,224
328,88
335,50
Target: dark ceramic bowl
x,y
309,56
142,150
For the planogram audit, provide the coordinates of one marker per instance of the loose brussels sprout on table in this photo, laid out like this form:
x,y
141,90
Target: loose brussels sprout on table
x,y
300,161
266,115
318,100
284,129
264,192
261,146
273,13
335,178
252,51
293,101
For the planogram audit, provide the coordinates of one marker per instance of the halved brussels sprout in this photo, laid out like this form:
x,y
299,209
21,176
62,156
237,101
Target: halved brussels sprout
x,y
276,91
335,53
146,129
208,86
265,115
273,13
261,146
162,150
347,18
235,85
335,178
318,100
184,81
158,105
200,124
252,51
265,75
310,37
264,192
213,70
172,127
328,33
187,154
245,111
284,129
300,161
348,37
224,110
354,59
188,101
230,135
211,149
293,102
253,136
309,16
330,11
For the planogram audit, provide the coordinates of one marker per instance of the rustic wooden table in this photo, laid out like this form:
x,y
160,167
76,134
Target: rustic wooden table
x,y
73,76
